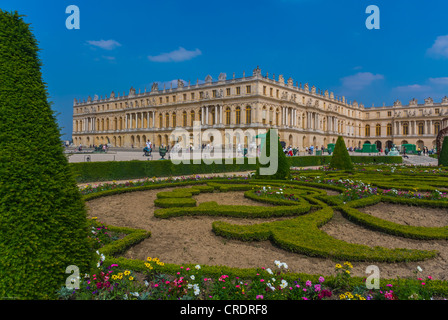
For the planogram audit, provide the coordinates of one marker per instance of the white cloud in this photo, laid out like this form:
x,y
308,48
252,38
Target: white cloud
x,y
417,88
178,55
439,48
360,80
439,81
105,44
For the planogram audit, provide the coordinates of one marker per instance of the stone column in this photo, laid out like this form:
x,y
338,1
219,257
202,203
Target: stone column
x,y
220,114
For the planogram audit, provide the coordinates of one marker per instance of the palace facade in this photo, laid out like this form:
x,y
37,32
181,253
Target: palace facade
x,y
303,115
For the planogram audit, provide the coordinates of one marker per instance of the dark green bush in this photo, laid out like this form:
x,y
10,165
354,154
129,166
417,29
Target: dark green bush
x,y
443,154
43,224
278,158
341,159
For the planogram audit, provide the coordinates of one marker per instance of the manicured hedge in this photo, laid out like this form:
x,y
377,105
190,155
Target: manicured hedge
x,y
302,235
135,169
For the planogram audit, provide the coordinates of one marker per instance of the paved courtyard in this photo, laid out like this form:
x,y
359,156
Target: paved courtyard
x,y
135,154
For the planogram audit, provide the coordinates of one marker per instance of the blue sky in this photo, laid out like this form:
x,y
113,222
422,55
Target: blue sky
x,y
325,43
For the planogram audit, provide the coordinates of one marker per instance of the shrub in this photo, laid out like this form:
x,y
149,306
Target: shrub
x,y
43,224
443,154
340,158
283,171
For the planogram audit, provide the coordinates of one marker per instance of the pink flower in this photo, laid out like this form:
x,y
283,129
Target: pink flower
x,y
423,283
429,277
321,279
259,296
308,283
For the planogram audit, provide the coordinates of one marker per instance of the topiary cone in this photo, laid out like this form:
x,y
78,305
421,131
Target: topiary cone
x,y
341,159
43,223
443,153
279,159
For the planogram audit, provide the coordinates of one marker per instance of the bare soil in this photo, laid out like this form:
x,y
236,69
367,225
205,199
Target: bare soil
x,y
191,240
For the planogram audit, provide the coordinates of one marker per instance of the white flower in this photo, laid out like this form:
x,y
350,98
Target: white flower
x,y
198,267
190,286
285,265
419,269
269,271
283,284
135,294
197,291
146,283
192,277
277,263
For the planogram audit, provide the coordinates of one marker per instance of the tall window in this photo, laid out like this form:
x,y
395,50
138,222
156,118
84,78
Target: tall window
x,y
191,117
238,115
248,114
228,115
238,90
378,130
248,89
167,120
405,129
389,129
213,116
160,120
174,119
421,128
436,128
367,131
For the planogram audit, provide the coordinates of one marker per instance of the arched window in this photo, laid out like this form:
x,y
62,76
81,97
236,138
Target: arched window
x,y
389,129
228,115
174,119
184,119
192,116
378,130
167,120
160,120
421,129
367,130
248,114
238,115
405,129
436,128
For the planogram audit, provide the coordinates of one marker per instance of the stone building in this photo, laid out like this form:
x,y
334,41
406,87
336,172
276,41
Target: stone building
x,y
303,115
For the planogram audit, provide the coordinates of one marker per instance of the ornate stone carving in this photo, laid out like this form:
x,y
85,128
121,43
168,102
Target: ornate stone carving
x,y
413,102
131,92
256,72
180,83
222,77
445,100
306,87
284,95
208,79
429,101
155,87
290,82
281,79
313,89
397,103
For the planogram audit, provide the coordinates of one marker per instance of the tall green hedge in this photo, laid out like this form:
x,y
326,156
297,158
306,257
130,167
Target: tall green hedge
x,y
278,158
443,155
43,224
341,158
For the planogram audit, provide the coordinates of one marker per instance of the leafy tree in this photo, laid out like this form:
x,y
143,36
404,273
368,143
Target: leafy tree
x,y
279,158
341,159
43,219
443,154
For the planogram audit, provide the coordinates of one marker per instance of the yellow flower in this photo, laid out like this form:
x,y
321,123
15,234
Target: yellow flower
x,y
148,259
342,296
338,266
147,264
348,264
114,277
131,278
127,272
347,271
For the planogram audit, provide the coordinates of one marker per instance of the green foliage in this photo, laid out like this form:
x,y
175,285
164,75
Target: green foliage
x,y
341,159
43,225
278,158
443,155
